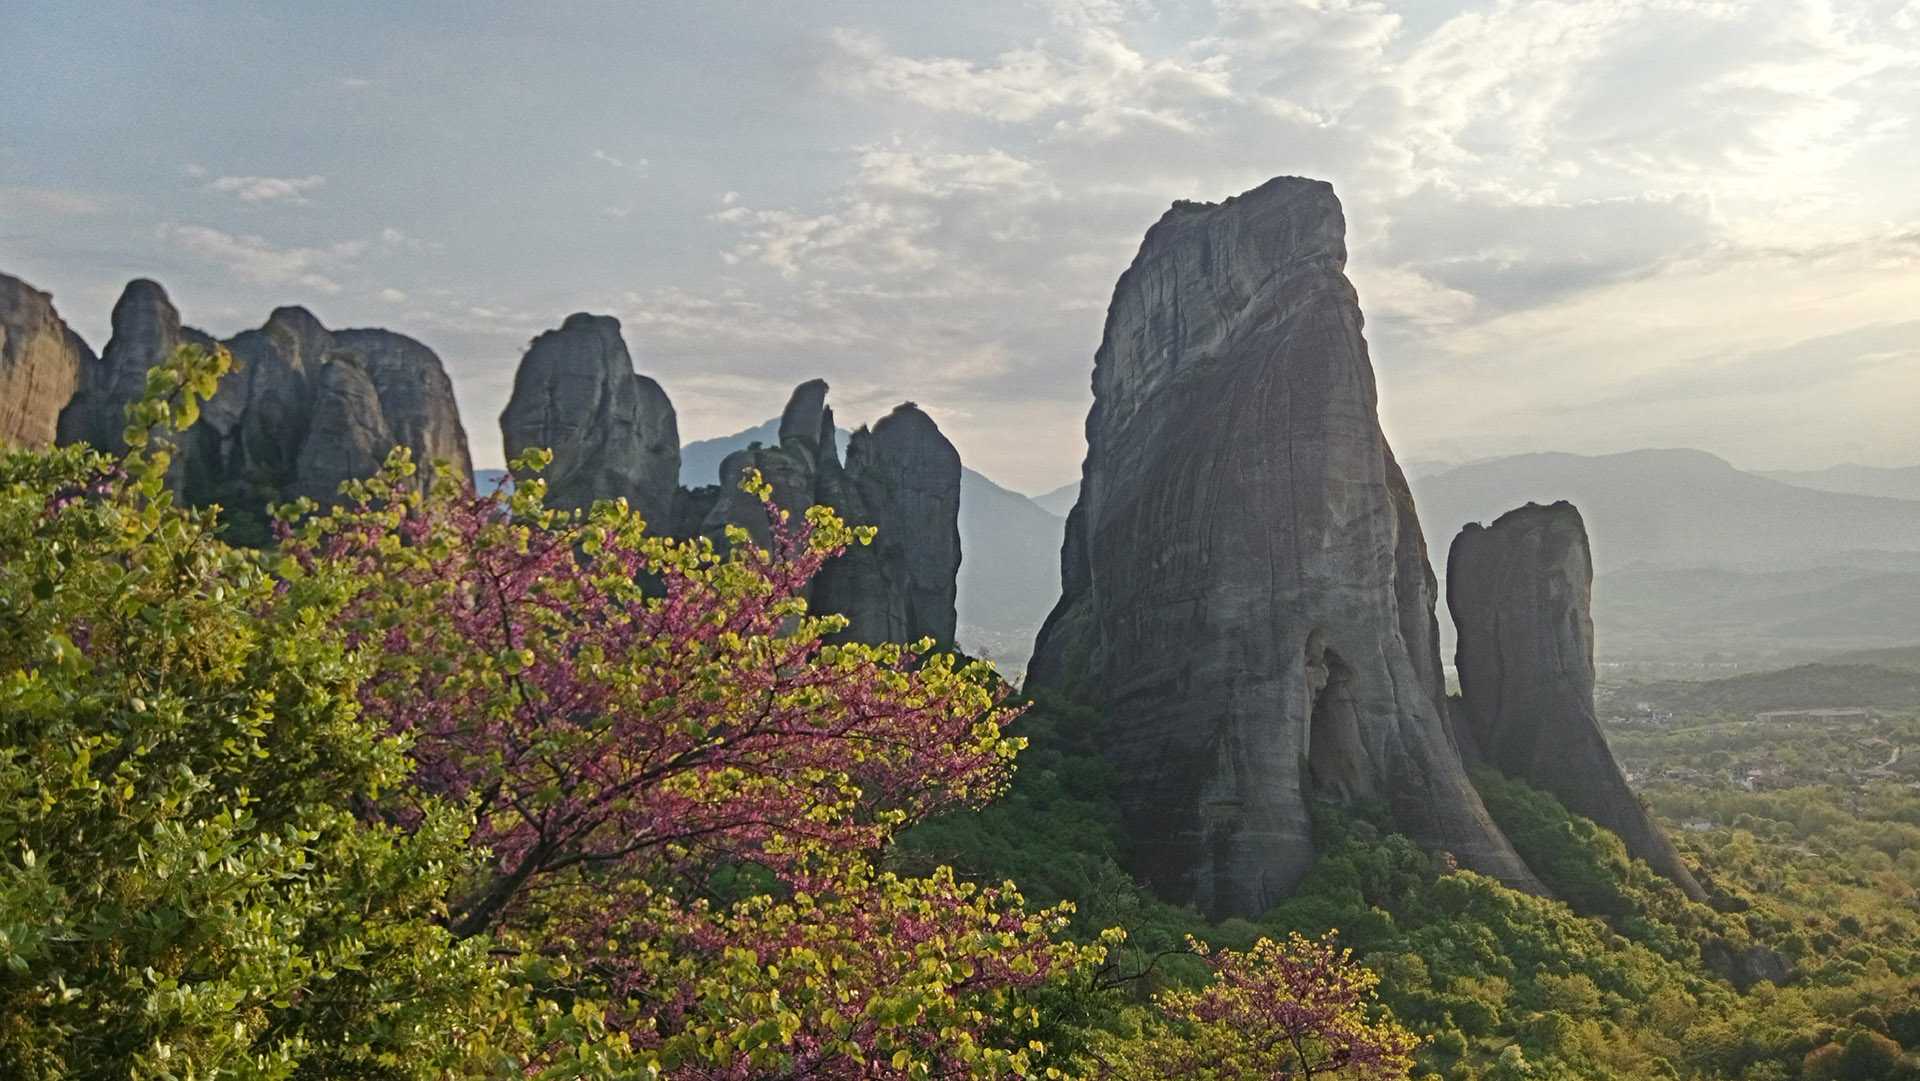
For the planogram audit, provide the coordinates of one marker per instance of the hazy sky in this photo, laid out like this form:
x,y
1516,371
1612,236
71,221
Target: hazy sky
x,y
1580,226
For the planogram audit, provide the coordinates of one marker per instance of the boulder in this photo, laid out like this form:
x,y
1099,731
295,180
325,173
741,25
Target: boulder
x,y
1245,590
40,365
612,431
1521,594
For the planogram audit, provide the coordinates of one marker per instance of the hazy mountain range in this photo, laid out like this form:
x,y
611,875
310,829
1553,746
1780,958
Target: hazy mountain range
x,y
1694,558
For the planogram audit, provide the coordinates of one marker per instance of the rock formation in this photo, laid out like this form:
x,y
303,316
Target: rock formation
x,y
1521,595
40,365
1246,592
304,409
612,431
902,477
146,330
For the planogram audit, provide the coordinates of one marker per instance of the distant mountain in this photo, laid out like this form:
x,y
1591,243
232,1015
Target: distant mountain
x,y
1673,508
1902,482
1060,500
486,480
1805,686
1009,550
700,460
1694,556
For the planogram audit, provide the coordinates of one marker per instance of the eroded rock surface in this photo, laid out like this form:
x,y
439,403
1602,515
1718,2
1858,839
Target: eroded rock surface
x,y
902,477
304,409
40,364
146,330
1521,594
1246,592
612,431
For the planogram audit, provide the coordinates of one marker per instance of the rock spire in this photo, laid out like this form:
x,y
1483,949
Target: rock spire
x,y
1521,591
1246,592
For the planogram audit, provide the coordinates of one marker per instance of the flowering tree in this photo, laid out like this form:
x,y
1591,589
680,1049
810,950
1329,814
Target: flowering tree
x,y
185,890
459,786
1293,1009
645,727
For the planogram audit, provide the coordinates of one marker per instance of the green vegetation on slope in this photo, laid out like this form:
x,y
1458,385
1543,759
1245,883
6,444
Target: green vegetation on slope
x,y
1622,977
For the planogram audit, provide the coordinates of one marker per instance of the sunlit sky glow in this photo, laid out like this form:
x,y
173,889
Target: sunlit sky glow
x,y
1574,226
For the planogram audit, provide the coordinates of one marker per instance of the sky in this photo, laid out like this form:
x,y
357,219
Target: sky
x,y
1583,227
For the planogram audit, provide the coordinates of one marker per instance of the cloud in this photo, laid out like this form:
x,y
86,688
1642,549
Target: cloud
x,y
48,202
1507,254
255,259
1097,84
393,296
637,166
266,189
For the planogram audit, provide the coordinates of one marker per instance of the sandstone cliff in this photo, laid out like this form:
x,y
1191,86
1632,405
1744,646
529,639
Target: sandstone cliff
x,y
612,431
1246,592
1521,595
40,365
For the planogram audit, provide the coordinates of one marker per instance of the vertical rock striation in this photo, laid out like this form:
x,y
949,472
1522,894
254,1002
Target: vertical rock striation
x,y
40,365
612,431
1245,589
1521,594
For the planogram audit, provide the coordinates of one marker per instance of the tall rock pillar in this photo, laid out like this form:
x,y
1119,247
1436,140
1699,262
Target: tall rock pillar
x,y
1521,594
1246,593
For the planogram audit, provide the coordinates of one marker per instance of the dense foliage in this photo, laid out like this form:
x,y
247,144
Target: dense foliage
x,y
1804,965
444,785
184,887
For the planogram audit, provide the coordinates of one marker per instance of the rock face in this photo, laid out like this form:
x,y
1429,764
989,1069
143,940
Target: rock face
x,y
612,431
1521,595
902,477
40,365
1245,589
304,409
146,330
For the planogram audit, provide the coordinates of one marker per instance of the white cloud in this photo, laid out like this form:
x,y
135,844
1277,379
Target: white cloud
x,y
265,189
255,259
637,166
1098,83
393,296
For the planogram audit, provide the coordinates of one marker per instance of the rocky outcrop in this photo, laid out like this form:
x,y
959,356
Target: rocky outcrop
x,y
612,431
902,477
303,410
146,330
1521,594
40,365
1246,593
1745,966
